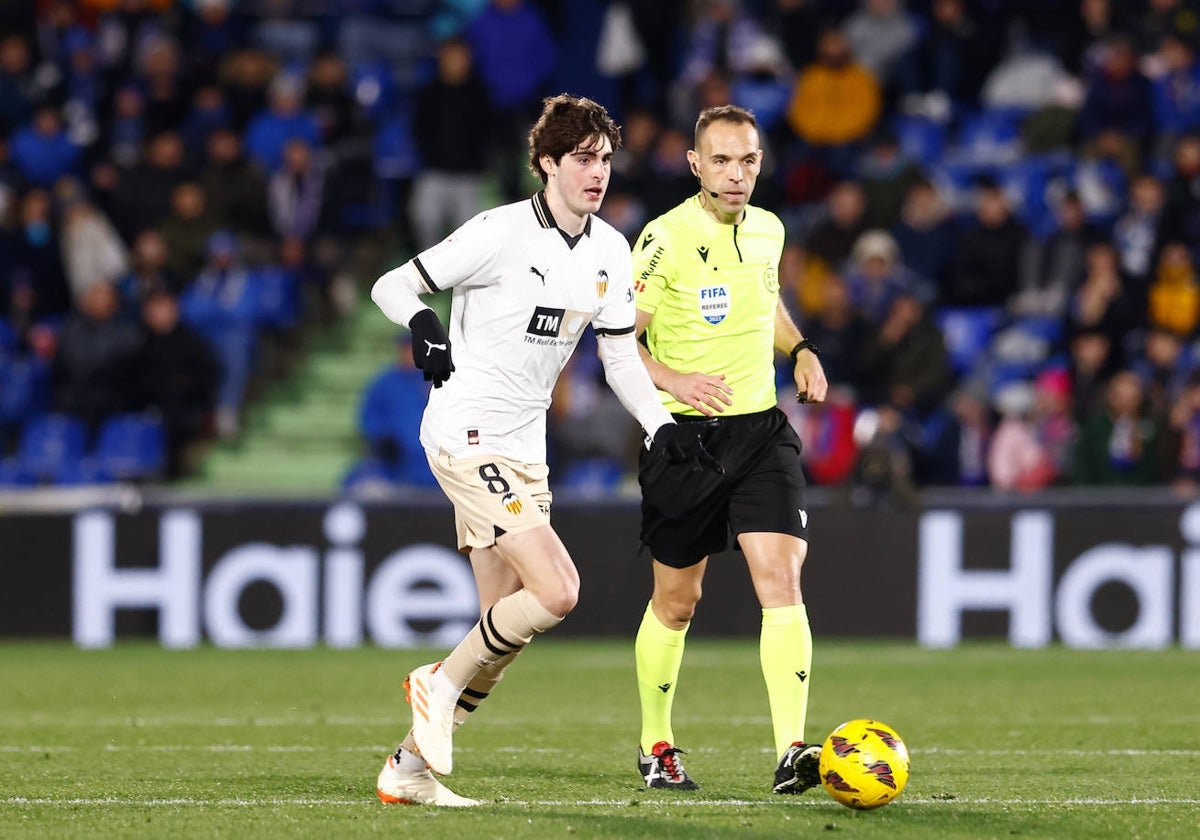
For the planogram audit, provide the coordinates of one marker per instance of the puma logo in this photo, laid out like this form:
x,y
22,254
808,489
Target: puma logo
x,y
541,274
664,688
430,347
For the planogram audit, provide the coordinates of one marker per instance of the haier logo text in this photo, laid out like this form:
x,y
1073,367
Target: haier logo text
x,y
1165,587
420,594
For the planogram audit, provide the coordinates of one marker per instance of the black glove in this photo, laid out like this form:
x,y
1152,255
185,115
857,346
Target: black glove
x,y
682,445
431,347
677,474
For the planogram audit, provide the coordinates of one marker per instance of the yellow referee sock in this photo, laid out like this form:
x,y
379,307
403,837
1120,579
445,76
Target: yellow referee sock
x,y
658,652
785,649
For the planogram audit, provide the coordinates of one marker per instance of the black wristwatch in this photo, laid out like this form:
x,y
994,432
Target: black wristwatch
x,y
806,344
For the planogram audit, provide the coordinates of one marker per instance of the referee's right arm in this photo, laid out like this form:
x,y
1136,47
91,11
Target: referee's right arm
x,y
705,392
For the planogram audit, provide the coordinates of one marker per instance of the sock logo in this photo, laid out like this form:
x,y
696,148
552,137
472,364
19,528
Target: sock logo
x,y
664,688
803,675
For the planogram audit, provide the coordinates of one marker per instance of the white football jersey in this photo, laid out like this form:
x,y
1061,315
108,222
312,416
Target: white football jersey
x,y
523,293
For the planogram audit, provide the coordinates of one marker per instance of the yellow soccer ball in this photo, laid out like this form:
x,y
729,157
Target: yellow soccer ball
x,y
864,764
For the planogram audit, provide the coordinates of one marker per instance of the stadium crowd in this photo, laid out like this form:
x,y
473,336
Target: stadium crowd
x,y
993,210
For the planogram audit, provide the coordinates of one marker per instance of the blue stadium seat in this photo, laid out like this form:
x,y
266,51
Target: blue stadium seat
x,y
1034,185
968,331
131,447
11,477
24,389
51,446
956,180
920,138
992,137
1045,327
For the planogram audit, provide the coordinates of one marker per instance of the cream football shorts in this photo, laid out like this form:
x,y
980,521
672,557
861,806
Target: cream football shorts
x,y
492,495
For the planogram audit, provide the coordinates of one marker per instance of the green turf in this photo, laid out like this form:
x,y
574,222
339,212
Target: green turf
x,y
140,742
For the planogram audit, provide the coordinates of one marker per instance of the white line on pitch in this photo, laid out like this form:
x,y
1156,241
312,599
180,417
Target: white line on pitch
x,y
377,748
238,802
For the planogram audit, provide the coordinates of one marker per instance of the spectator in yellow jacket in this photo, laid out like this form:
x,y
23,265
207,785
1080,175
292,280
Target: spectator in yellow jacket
x,y
837,100
1174,296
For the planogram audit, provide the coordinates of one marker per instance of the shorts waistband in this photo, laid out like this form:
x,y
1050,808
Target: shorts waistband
x,y
724,419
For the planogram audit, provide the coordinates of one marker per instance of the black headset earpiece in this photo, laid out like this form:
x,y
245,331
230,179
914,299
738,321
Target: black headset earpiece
x,y
696,172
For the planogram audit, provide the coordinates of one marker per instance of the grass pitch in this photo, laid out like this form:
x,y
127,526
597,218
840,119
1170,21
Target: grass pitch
x,y
141,742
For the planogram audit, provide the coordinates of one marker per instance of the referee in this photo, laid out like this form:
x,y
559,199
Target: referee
x,y
707,284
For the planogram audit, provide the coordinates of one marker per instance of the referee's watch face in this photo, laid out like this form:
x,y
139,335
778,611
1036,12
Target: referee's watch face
x,y
728,160
580,179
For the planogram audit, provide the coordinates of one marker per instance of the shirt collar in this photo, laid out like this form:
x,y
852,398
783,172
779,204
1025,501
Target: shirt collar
x,y
541,209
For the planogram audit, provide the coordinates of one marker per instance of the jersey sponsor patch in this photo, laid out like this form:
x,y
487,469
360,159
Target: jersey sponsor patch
x,y
652,266
714,303
550,325
546,321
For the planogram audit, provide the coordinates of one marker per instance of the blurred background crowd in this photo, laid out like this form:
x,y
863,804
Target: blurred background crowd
x,y
992,206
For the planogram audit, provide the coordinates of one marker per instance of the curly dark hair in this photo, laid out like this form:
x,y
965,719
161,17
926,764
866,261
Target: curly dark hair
x,y
568,123
722,113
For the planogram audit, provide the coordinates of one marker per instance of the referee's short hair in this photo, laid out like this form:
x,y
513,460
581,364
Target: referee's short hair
x,y
568,123
722,113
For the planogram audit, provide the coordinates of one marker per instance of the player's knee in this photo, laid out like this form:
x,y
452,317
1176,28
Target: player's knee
x,y
560,599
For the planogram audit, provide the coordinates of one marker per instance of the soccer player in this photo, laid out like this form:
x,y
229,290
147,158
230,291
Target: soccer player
x,y
527,278
707,282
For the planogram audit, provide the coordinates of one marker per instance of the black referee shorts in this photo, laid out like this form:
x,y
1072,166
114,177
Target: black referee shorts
x,y
763,489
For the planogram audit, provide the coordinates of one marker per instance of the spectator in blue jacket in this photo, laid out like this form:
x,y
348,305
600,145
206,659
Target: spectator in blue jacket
x,y
390,415
515,53
1116,118
41,151
1177,92
222,304
283,120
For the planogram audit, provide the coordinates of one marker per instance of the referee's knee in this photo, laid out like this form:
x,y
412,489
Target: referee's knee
x,y
677,606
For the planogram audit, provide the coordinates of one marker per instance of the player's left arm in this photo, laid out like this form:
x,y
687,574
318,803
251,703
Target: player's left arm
x,y
811,385
615,325
628,379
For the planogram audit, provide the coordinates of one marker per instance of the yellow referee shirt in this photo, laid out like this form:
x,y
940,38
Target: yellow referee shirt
x,y
712,290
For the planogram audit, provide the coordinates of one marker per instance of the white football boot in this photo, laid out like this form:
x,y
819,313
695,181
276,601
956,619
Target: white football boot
x,y
395,787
